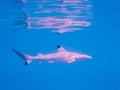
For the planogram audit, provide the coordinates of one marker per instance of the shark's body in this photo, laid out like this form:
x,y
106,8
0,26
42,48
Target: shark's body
x,y
61,55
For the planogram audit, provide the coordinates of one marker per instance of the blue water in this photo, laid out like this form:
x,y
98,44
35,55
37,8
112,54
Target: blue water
x,y
101,41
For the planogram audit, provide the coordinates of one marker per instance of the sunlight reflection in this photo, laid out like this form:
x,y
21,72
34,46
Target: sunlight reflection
x,y
57,15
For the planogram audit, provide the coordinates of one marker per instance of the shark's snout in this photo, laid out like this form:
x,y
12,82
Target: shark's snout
x,y
88,57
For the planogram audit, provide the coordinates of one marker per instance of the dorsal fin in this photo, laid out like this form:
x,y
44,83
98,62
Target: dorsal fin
x,y
60,48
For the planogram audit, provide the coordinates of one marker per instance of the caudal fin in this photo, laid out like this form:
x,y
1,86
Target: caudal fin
x,y
26,57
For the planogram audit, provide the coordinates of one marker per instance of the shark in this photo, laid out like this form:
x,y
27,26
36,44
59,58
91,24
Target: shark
x,y
62,55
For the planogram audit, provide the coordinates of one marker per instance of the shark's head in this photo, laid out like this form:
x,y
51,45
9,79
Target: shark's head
x,y
83,56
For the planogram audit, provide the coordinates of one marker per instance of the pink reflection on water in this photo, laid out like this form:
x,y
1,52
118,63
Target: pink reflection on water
x,y
67,16
66,30
57,23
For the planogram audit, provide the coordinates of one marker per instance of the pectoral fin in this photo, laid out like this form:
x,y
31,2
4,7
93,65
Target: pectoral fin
x,y
70,61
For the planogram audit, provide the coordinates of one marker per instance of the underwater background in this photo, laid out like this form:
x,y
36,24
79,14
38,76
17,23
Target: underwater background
x,y
101,40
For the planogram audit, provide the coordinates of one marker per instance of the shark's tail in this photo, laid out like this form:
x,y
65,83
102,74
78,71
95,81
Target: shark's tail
x,y
27,58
